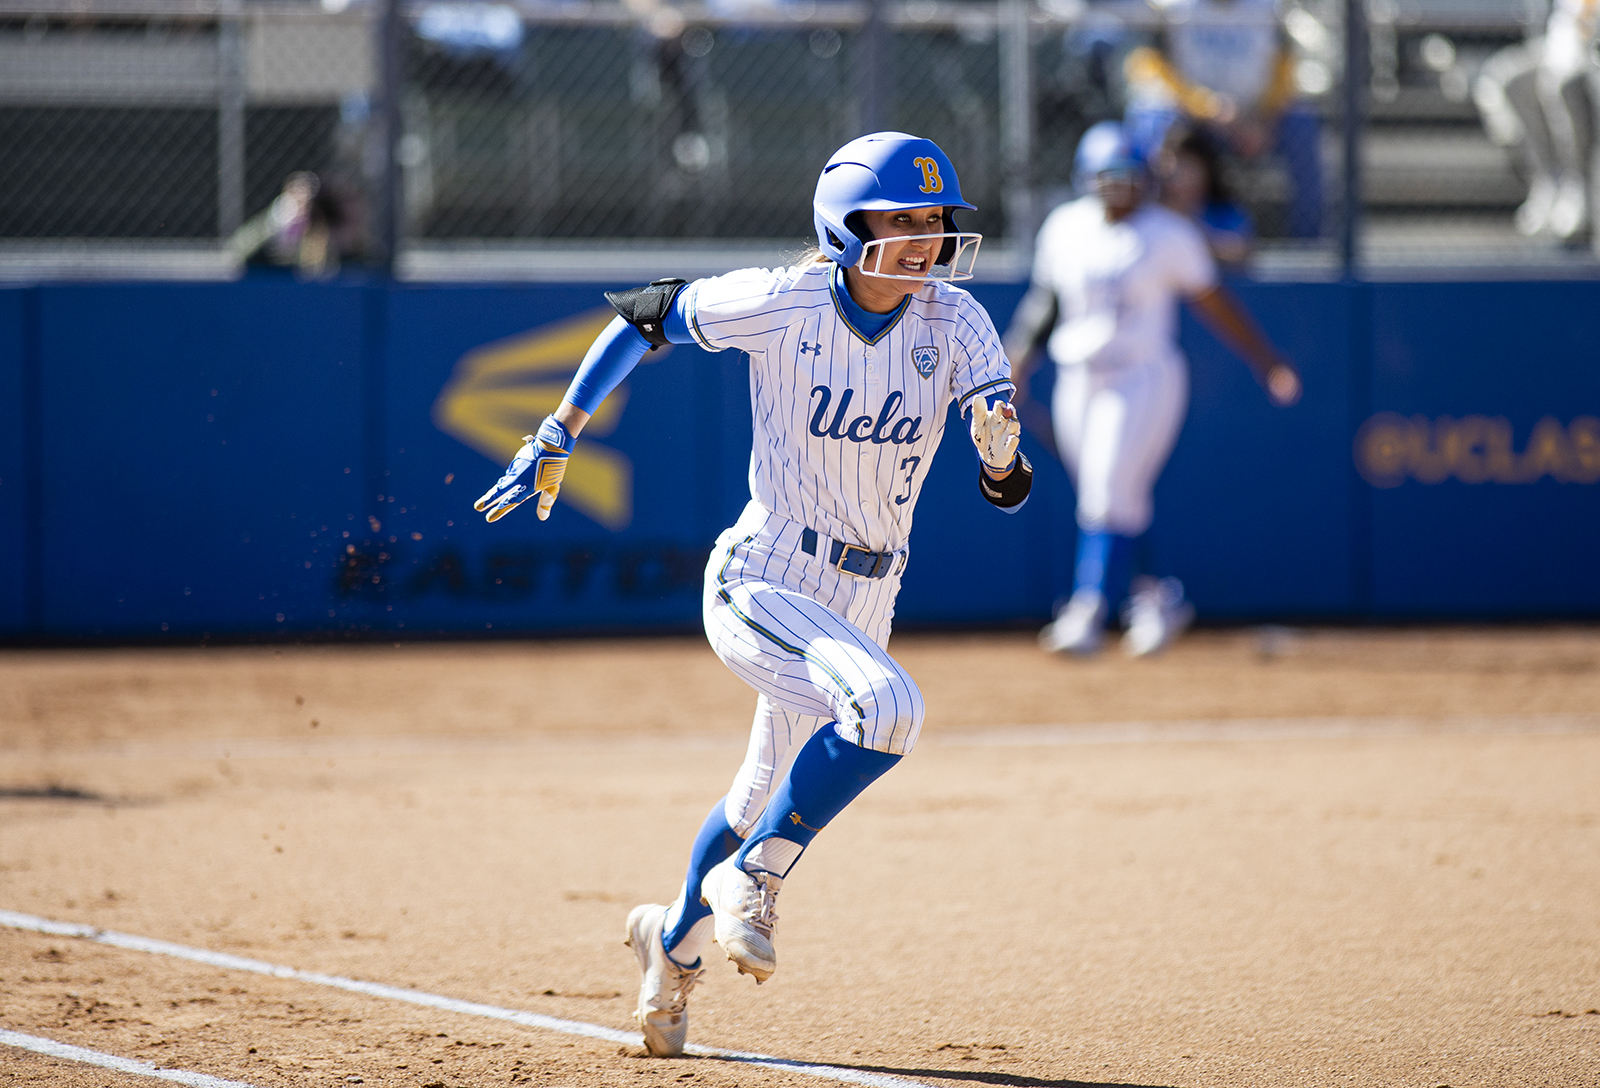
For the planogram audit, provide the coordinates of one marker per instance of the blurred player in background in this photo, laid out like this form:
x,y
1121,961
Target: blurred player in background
x,y
855,355
1226,67
1540,96
304,230
1189,175
1109,271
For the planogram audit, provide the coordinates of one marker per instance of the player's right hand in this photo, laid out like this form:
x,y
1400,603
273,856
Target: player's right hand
x,y
1283,385
537,469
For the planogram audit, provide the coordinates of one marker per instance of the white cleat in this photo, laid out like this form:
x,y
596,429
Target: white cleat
x,y
664,986
1157,613
1569,212
744,910
1533,217
1079,628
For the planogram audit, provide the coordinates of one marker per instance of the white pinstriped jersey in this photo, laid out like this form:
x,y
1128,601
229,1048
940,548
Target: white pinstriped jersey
x,y
1118,285
845,427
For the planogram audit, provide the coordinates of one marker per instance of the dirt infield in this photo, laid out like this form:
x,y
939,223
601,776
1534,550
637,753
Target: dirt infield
x,y
1270,858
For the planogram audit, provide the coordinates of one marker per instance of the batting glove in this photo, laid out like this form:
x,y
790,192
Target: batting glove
x,y
537,469
996,432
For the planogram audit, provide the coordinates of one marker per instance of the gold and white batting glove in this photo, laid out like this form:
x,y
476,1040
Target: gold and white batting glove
x,y
536,470
996,432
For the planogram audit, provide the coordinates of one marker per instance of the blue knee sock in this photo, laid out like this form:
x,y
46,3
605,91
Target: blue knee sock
x,y
715,843
1105,563
828,773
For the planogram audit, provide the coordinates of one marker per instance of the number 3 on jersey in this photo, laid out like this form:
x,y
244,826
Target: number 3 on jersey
x,y
913,462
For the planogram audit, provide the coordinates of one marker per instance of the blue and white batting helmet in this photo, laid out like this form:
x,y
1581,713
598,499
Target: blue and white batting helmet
x,y
882,172
1104,148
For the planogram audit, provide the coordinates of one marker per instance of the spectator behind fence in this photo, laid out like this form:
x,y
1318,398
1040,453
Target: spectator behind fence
x,y
1225,66
1539,96
303,229
1189,172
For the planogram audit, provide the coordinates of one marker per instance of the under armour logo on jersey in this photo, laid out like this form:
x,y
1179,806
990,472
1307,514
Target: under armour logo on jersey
x,y
931,181
812,349
905,430
926,359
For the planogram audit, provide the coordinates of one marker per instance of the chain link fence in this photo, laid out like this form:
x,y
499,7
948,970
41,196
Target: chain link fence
x,y
620,132
264,130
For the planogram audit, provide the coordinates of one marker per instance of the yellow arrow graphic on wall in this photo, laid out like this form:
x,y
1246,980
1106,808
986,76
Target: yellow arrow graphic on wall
x,y
502,391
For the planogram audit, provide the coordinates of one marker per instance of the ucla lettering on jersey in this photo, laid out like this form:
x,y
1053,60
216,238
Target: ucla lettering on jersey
x,y
906,429
845,428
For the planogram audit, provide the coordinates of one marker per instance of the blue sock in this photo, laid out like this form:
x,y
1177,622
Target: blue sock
x,y
1094,548
715,843
828,773
1105,563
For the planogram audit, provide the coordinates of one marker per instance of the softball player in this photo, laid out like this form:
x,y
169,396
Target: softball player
x,y
855,355
1540,94
1109,270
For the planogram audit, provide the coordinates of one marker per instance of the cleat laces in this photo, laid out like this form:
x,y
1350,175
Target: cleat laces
x,y
683,981
764,912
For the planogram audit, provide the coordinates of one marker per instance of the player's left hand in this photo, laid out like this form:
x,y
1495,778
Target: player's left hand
x,y
996,432
537,469
1283,385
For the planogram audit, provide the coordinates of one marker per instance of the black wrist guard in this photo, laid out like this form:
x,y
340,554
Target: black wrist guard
x,y
645,308
1010,491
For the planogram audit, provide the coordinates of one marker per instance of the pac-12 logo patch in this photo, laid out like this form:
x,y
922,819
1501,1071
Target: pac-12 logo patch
x,y
926,359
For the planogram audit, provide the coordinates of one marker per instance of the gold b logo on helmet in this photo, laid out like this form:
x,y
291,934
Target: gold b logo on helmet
x,y
931,181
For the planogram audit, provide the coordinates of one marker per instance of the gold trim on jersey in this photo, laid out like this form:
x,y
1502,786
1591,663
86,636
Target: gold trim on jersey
x,y
838,308
981,390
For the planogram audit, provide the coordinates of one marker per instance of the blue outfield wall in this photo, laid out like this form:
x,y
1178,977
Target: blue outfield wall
x,y
17,521
270,457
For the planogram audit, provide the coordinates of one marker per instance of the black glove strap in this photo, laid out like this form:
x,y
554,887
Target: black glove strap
x,y
646,308
1010,491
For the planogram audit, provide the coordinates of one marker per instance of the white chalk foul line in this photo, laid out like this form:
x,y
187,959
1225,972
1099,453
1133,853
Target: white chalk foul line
x,y
30,923
111,1061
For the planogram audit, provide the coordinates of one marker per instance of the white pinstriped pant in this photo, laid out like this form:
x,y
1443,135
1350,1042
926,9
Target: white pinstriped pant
x,y
810,639
1116,429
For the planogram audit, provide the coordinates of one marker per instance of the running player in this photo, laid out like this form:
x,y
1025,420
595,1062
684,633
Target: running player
x,y
1109,270
855,355
1540,94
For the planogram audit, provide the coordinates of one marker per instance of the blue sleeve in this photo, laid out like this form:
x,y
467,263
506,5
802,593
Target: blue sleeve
x,y
614,354
612,357
676,323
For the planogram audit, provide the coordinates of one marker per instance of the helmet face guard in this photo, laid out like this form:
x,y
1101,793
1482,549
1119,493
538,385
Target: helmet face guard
x,y
958,256
888,171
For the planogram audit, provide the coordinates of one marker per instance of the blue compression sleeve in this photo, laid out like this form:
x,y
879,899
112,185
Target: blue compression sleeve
x,y
676,324
715,842
827,774
614,354
612,357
